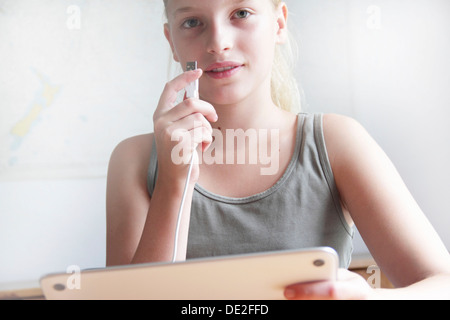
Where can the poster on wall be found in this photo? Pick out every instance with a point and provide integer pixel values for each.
(73, 83)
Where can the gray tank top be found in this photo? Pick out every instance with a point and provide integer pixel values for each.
(302, 210)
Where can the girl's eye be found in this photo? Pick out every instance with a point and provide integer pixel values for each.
(242, 14)
(191, 23)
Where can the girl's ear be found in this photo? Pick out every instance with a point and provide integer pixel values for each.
(169, 39)
(282, 17)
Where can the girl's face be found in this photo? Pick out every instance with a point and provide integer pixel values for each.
(232, 40)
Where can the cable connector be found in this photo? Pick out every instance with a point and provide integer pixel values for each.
(192, 88)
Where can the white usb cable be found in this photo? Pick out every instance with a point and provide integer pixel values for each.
(191, 92)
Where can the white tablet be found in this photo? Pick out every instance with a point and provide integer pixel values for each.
(262, 276)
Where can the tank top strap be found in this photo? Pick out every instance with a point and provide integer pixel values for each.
(152, 173)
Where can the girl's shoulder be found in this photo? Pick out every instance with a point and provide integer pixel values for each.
(129, 148)
(131, 157)
(340, 124)
(344, 134)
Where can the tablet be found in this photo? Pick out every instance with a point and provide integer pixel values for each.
(261, 276)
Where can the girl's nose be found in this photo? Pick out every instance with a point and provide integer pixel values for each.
(219, 40)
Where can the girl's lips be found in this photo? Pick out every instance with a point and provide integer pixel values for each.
(223, 70)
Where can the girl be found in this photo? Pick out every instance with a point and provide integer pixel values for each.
(329, 175)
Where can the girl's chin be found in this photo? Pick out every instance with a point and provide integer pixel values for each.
(222, 100)
(222, 96)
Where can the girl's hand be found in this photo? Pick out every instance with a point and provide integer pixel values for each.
(349, 286)
(181, 127)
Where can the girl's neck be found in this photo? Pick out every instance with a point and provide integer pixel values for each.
(255, 112)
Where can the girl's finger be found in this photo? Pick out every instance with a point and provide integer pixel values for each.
(349, 286)
(170, 92)
(192, 106)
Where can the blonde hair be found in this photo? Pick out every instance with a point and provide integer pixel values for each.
(284, 88)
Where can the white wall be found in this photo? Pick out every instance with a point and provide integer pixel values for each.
(47, 226)
(386, 66)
